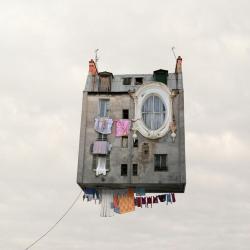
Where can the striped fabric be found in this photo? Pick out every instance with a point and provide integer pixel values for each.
(100, 147)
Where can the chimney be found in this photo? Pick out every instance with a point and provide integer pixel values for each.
(92, 68)
(178, 67)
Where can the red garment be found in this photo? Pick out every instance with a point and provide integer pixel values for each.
(138, 201)
(173, 197)
(149, 201)
(155, 199)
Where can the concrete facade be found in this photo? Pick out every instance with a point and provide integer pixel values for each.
(122, 97)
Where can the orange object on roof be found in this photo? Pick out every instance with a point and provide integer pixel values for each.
(92, 68)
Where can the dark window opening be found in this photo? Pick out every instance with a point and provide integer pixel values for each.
(127, 81)
(138, 80)
(160, 162)
(124, 170)
(135, 169)
(125, 114)
(102, 137)
(124, 141)
(135, 143)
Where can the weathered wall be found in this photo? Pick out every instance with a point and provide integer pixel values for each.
(172, 180)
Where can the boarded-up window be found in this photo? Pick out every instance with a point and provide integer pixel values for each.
(105, 84)
(135, 169)
(145, 149)
(124, 141)
(160, 162)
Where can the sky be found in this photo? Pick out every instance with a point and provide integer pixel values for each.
(45, 47)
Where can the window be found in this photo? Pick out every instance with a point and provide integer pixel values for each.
(124, 141)
(160, 162)
(135, 143)
(125, 114)
(124, 170)
(138, 80)
(127, 81)
(102, 137)
(135, 169)
(153, 112)
(95, 161)
(103, 107)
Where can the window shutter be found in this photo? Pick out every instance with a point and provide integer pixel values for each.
(108, 162)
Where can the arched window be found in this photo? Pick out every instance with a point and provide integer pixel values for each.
(153, 112)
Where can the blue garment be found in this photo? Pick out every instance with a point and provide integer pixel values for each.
(140, 191)
(169, 198)
(90, 194)
(89, 191)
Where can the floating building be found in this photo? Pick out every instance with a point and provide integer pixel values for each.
(132, 131)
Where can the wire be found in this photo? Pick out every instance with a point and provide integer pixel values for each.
(51, 228)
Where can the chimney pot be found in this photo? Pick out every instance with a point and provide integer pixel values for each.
(178, 67)
(92, 68)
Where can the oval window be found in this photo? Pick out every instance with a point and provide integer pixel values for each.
(153, 112)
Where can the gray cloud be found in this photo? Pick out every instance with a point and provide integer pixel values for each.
(45, 47)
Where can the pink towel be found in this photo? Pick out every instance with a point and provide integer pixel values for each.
(122, 127)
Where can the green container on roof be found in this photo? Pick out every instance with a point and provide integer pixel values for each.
(161, 75)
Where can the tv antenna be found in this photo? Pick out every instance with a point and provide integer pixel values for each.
(96, 57)
(173, 48)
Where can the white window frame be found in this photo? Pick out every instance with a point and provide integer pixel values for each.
(106, 107)
(153, 108)
(140, 96)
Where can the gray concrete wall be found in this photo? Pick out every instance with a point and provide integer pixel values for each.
(174, 82)
(172, 180)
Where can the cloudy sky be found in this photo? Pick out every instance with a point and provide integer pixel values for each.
(45, 47)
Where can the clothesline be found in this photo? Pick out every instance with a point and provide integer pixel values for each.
(122, 201)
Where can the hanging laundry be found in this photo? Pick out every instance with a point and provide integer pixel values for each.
(106, 203)
(126, 202)
(103, 125)
(122, 127)
(89, 194)
(100, 147)
(149, 201)
(140, 191)
(155, 199)
(143, 201)
(116, 203)
(101, 166)
(169, 198)
(173, 197)
(138, 202)
(162, 197)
